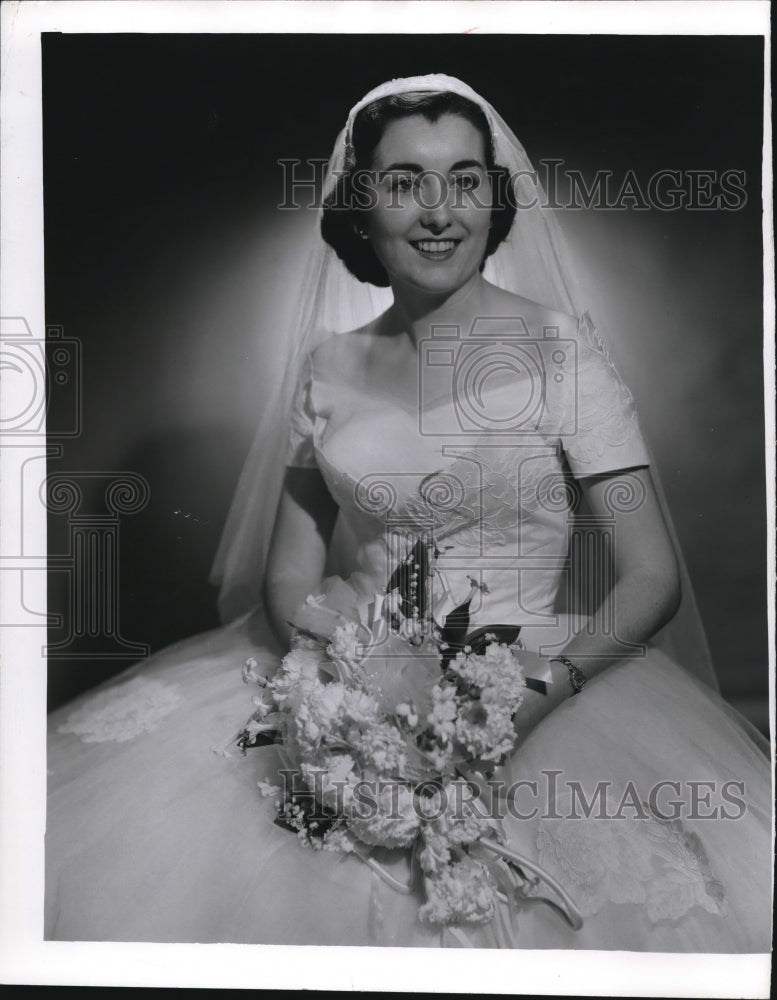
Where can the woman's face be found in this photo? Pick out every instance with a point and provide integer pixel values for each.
(429, 226)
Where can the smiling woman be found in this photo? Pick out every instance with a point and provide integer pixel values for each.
(507, 573)
(415, 222)
(432, 157)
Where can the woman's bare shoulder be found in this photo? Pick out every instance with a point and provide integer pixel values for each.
(536, 316)
(345, 348)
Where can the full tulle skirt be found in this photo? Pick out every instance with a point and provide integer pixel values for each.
(153, 836)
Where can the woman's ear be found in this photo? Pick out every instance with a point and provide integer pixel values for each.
(360, 230)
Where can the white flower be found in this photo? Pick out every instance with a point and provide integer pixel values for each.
(440, 757)
(434, 855)
(487, 734)
(299, 668)
(250, 672)
(254, 726)
(385, 816)
(261, 706)
(360, 707)
(266, 788)
(339, 840)
(449, 818)
(316, 712)
(333, 782)
(485, 725)
(327, 701)
(442, 718)
(408, 713)
(382, 747)
(460, 892)
(345, 650)
(306, 731)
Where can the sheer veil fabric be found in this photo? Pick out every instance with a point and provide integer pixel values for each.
(534, 262)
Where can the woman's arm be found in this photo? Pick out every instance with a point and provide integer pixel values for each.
(644, 597)
(295, 562)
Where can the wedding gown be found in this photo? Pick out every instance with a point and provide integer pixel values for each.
(151, 836)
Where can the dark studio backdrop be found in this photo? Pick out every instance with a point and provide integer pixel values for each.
(170, 265)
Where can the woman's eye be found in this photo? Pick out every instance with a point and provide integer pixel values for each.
(467, 182)
(401, 182)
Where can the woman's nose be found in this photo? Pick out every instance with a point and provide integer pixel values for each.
(434, 199)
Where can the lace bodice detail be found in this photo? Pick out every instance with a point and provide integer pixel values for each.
(484, 456)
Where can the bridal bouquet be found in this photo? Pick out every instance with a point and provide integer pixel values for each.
(378, 712)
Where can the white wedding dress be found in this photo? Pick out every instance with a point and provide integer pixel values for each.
(153, 837)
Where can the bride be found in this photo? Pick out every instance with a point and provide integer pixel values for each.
(443, 378)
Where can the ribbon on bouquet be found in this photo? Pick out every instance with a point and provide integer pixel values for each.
(492, 853)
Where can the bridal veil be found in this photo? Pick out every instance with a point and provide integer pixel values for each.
(534, 262)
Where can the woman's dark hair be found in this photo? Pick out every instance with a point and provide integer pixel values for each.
(341, 215)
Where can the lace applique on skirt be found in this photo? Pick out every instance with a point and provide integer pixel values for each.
(651, 861)
(122, 712)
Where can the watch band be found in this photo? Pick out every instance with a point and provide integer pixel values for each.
(577, 678)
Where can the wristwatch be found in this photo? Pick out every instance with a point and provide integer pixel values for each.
(576, 676)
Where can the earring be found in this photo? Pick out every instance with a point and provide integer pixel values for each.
(362, 234)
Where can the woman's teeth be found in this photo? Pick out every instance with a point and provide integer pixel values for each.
(434, 246)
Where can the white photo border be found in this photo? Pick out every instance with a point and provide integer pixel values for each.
(24, 956)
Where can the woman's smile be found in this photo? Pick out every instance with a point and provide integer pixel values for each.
(436, 249)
